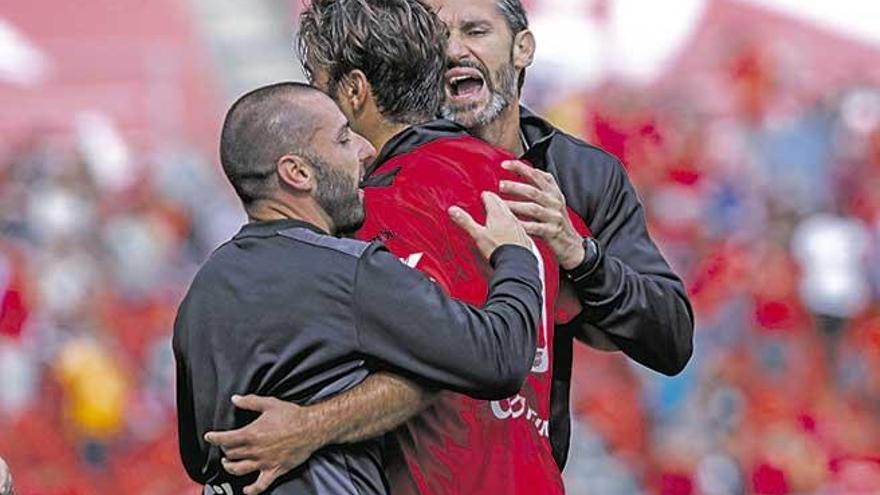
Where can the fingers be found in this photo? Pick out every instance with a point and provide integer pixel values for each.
(236, 438)
(239, 453)
(539, 229)
(495, 206)
(533, 211)
(264, 481)
(253, 402)
(532, 193)
(464, 220)
(227, 439)
(539, 178)
(239, 468)
(541, 187)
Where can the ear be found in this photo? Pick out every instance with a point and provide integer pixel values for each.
(523, 49)
(354, 90)
(296, 172)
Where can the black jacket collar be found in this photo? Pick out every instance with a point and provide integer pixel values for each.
(534, 128)
(538, 135)
(271, 227)
(414, 136)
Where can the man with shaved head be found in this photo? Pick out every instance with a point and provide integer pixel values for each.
(287, 310)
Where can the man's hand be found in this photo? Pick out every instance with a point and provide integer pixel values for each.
(501, 227)
(545, 209)
(279, 440)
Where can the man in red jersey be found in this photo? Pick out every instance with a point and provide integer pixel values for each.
(380, 62)
(383, 63)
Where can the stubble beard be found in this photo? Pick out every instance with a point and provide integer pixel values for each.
(337, 194)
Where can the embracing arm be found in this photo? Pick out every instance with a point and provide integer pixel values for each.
(381, 403)
(407, 322)
(632, 299)
(285, 435)
(630, 292)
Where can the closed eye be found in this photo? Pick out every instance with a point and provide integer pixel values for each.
(476, 28)
(344, 134)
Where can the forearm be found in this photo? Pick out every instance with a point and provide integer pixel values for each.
(378, 405)
(647, 317)
(485, 353)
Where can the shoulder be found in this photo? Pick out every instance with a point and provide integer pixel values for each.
(450, 150)
(284, 259)
(467, 146)
(570, 152)
(452, 167)
(589, 177)
(353, 248)
(565, 150)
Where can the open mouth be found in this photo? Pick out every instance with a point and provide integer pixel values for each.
(463, 83)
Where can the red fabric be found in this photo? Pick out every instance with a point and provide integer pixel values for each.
(461, 445)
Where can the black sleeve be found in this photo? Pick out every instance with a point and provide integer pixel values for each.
(186, 429)
(408, 322)
(633, 295)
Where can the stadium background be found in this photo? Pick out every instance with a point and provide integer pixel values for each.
(750, 128)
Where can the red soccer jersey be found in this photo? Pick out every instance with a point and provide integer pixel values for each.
(461, 445)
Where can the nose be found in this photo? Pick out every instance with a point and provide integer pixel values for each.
(367, 152)
(456, 49)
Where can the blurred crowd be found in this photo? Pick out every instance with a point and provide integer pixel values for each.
(765, 197)
(91, 272)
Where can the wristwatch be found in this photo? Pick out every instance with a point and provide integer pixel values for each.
(590, 263)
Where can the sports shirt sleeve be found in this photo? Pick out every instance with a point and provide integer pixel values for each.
(407, 321)
(633, 294)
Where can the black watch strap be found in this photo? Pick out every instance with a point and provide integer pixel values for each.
(590, 263)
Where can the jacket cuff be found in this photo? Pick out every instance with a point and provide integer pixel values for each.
(591, 261)
(599, 282)
(511, 253)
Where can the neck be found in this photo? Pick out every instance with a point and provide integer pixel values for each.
(308, 212)
(380, 132)
(504, 131)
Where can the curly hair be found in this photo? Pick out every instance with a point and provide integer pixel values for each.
(399, 45)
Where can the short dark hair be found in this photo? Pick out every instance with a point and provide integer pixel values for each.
(515, 15)
(400, 45)
(260, 127)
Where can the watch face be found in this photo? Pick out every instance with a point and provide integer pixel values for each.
(591, 255)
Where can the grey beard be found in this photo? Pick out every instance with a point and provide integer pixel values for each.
(497, 104)
(499, 100)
